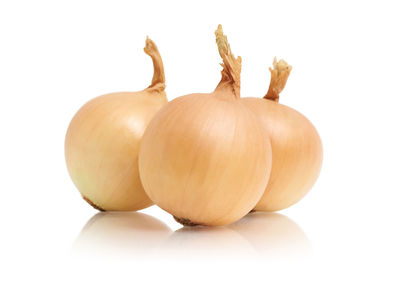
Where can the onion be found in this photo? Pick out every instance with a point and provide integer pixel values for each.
(102, 143)
(209, 152)
(296, 145)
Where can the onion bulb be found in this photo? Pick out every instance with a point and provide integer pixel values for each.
(204, 158)
(102, 143)
(296, 145)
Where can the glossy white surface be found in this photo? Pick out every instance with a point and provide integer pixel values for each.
(55, 56)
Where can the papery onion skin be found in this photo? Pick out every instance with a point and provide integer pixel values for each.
(296, 147)
(208, 151)
(103, 139)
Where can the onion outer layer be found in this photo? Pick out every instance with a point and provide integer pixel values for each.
(102, 143)
(296, 145)
(208, 151)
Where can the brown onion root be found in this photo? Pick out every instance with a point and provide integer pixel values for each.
(279, 76)
(93, 204)
(184, 221)
(231, 66)
(158, 81)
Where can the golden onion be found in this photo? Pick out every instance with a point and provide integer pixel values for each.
(102, 143)
(296, 145)
(204, 158)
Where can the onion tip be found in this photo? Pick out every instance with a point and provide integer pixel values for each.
(280, 72)
(231, 66)
(158, 81)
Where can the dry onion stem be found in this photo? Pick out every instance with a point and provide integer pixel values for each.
(279, 75)
(102, 143)
(296, 145)
(208, 151)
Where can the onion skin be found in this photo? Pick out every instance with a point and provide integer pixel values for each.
(209, 153)
(210, 170)
(296, 148)
(103, 139)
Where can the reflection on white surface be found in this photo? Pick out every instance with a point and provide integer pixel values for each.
(273, 235)
(257, 235)
(200, 241)
(121, 234)
(132, 234)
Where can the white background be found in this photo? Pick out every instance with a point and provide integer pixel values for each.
(56, 55)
